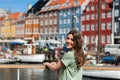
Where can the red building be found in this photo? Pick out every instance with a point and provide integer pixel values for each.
(91, 32)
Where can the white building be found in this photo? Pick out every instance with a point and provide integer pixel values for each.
(3, 12)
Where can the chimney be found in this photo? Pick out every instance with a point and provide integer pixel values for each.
(29, 6)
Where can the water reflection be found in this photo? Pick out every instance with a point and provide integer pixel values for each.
(8, 74)
(31, 74)
(36, 74)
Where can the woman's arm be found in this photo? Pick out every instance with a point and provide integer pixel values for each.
(54, 65)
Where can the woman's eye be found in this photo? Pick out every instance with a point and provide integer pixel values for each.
(71, 39)
(67, 38)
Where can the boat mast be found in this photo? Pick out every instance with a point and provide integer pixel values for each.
(99, 31)
(73, 15)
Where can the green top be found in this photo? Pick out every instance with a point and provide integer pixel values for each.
(70, 71)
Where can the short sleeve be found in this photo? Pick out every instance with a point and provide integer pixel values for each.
(68, 58)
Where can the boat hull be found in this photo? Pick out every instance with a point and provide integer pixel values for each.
(102, 74)
(7, 61)
(37, 58)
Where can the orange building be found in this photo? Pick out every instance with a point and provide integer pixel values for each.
(32, 27)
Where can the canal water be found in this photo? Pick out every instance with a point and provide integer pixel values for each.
(31, 74)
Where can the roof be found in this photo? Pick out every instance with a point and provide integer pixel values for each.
(54, 2)
(2, 18)
(14, 15)
(53, 5)
(72, 3)
(37, 7)
(109, 1)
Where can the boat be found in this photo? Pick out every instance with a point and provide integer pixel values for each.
(105, 74)
(30, 58)
(104, 71)
(7, 61)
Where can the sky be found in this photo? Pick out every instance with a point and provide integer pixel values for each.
(16, 5)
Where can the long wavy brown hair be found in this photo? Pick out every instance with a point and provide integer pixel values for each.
(79, 54)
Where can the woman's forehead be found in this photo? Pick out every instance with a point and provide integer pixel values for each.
(70, 36)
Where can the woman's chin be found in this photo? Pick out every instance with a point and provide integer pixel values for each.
(68, 47)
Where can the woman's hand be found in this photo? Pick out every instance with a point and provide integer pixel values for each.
(54, 65)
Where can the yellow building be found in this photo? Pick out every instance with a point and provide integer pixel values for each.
(9, 29)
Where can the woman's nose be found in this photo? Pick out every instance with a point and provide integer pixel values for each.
(68, 40)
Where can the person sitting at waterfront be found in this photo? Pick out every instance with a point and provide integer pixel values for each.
(70, 65)
(4, 48)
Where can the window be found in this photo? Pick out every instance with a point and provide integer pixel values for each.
(65, 15)
(68, 21)
(55, 30)
(87, 17)
(77, 20)
(60, 21)
(55, 21)
(50, 30)
(116, 2)
(87, 27)
(64, 30)
(41, 16)
(88, 8)
(50, 22)
(68, 12)
(92, 8)
(109, 25)
(88, 39)
(41, 23)
(116, 13)
(55, 13)
(103, 39)
(46, 22)
(41, 30)
(60, 30)
(50, 14)
(103, 15)
(78, 10)
(83, 27)
(46, 15)
(68, 30)
(108, 39)
(92, 27)
(64, 21)
(109, 14)
(83, 18)
(92, 16)
(92, 39)
(61, 13)
(103, 26)
(103, 6)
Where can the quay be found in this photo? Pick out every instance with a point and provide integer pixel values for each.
(113, 68)
(41, 66)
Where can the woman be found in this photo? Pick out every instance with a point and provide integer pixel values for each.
(70, 65)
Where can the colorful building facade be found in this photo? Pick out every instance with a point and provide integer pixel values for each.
(91, 32)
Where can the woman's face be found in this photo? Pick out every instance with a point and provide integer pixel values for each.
(69, 41)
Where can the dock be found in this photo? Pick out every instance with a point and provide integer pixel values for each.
(41, 66)
(113, 68)
(37, 66)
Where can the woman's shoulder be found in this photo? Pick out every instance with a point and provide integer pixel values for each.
(72, 51)
(69, 53)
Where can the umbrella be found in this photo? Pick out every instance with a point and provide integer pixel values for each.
(18, 42)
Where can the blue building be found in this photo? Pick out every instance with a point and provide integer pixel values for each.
(69, 18)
